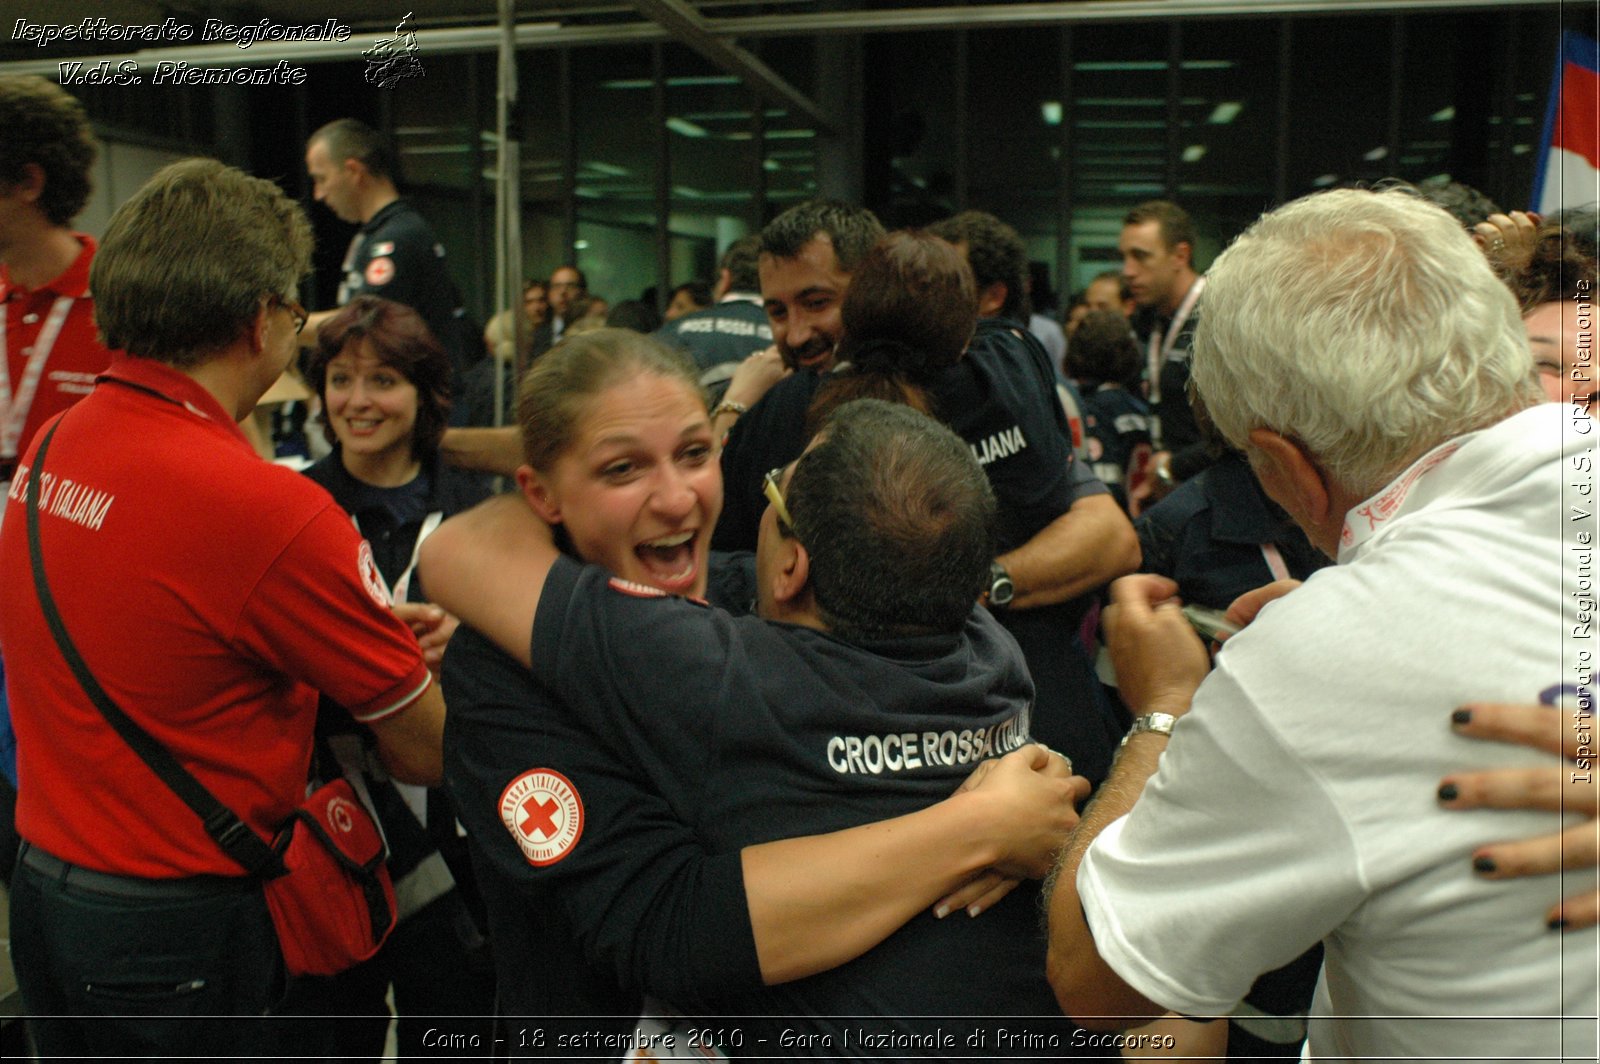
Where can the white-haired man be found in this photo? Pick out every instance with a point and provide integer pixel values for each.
(1361, 352)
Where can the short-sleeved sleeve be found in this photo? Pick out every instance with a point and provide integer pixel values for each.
(1233, 862)
(642, 897)
(319, 615)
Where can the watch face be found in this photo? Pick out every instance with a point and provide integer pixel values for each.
(1001, 589)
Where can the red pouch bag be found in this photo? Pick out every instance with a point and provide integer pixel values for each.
(335, 905)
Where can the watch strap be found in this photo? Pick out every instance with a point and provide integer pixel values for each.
(1159, 723)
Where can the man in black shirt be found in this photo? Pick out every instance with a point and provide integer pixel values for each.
(394, 254)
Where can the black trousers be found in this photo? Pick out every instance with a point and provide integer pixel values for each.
(113, 966)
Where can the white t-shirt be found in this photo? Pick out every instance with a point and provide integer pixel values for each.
(1296, 799)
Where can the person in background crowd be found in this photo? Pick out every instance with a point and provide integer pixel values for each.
(688, 298)
(566, 286)
(721, 336)
(49, 351)
(384, 383)
(1103, 358)
(807, 255)
(633, 314)
(1157, 245)
(536, 303)
(477, 404)
(394, 254)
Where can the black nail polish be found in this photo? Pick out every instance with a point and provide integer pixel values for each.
(1557, 923)
(1483, 864)
(1461, 717)
(1448, 793)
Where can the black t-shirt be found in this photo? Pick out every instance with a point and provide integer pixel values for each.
(682, 726)
(395, 255)
(1119, 436)
(1001, 399)
(726, 333)
(1180, 433)
(770, 434)
(1208, 536)
(391, 519)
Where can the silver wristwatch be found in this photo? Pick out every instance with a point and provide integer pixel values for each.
(1160, 723)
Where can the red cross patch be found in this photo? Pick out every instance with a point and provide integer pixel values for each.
(371, 579)
(542, 811)
(380, 271)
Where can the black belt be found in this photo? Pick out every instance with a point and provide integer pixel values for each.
(133, 888)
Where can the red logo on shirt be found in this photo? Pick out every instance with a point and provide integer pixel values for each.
(380, 271)
(542, 811)
(371, 579)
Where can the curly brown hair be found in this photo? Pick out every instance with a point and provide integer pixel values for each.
(46, 126)
(1563, 266)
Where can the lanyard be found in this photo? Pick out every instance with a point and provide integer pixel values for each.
(1274, 559)
(1161, 344)
(14, 410)
(397, 593)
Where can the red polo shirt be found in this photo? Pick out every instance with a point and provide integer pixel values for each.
(74, 357)
(212, 594)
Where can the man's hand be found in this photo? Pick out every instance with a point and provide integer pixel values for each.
(1159, 660)
(1243, 610)
(433, 628)
(1568, 788)
(1034, 798)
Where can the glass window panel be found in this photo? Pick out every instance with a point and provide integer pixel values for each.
(538, 100)
(1118, 143)
(1014, 118)
(1338, 102)
(1227, 113)
(614, 128)
(618, 260)
(711, 153)
(789, 161)
(1515, 137)
(436, 133)
(910, 127)
(1432, 109)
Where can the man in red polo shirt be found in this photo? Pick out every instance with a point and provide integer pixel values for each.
(213, 596)
(47, 333)
(49, 351)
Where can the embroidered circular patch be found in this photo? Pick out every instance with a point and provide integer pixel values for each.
(544, 814)
(371, 579)
(380, 271)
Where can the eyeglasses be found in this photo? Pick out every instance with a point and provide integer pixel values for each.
(296, 311)
(775, 497)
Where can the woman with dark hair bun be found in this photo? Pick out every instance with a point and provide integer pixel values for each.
(908, 315)
(384, 382)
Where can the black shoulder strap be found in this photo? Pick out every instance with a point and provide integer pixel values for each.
(221, 823)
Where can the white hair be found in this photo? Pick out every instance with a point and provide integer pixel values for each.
(1366, 325)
